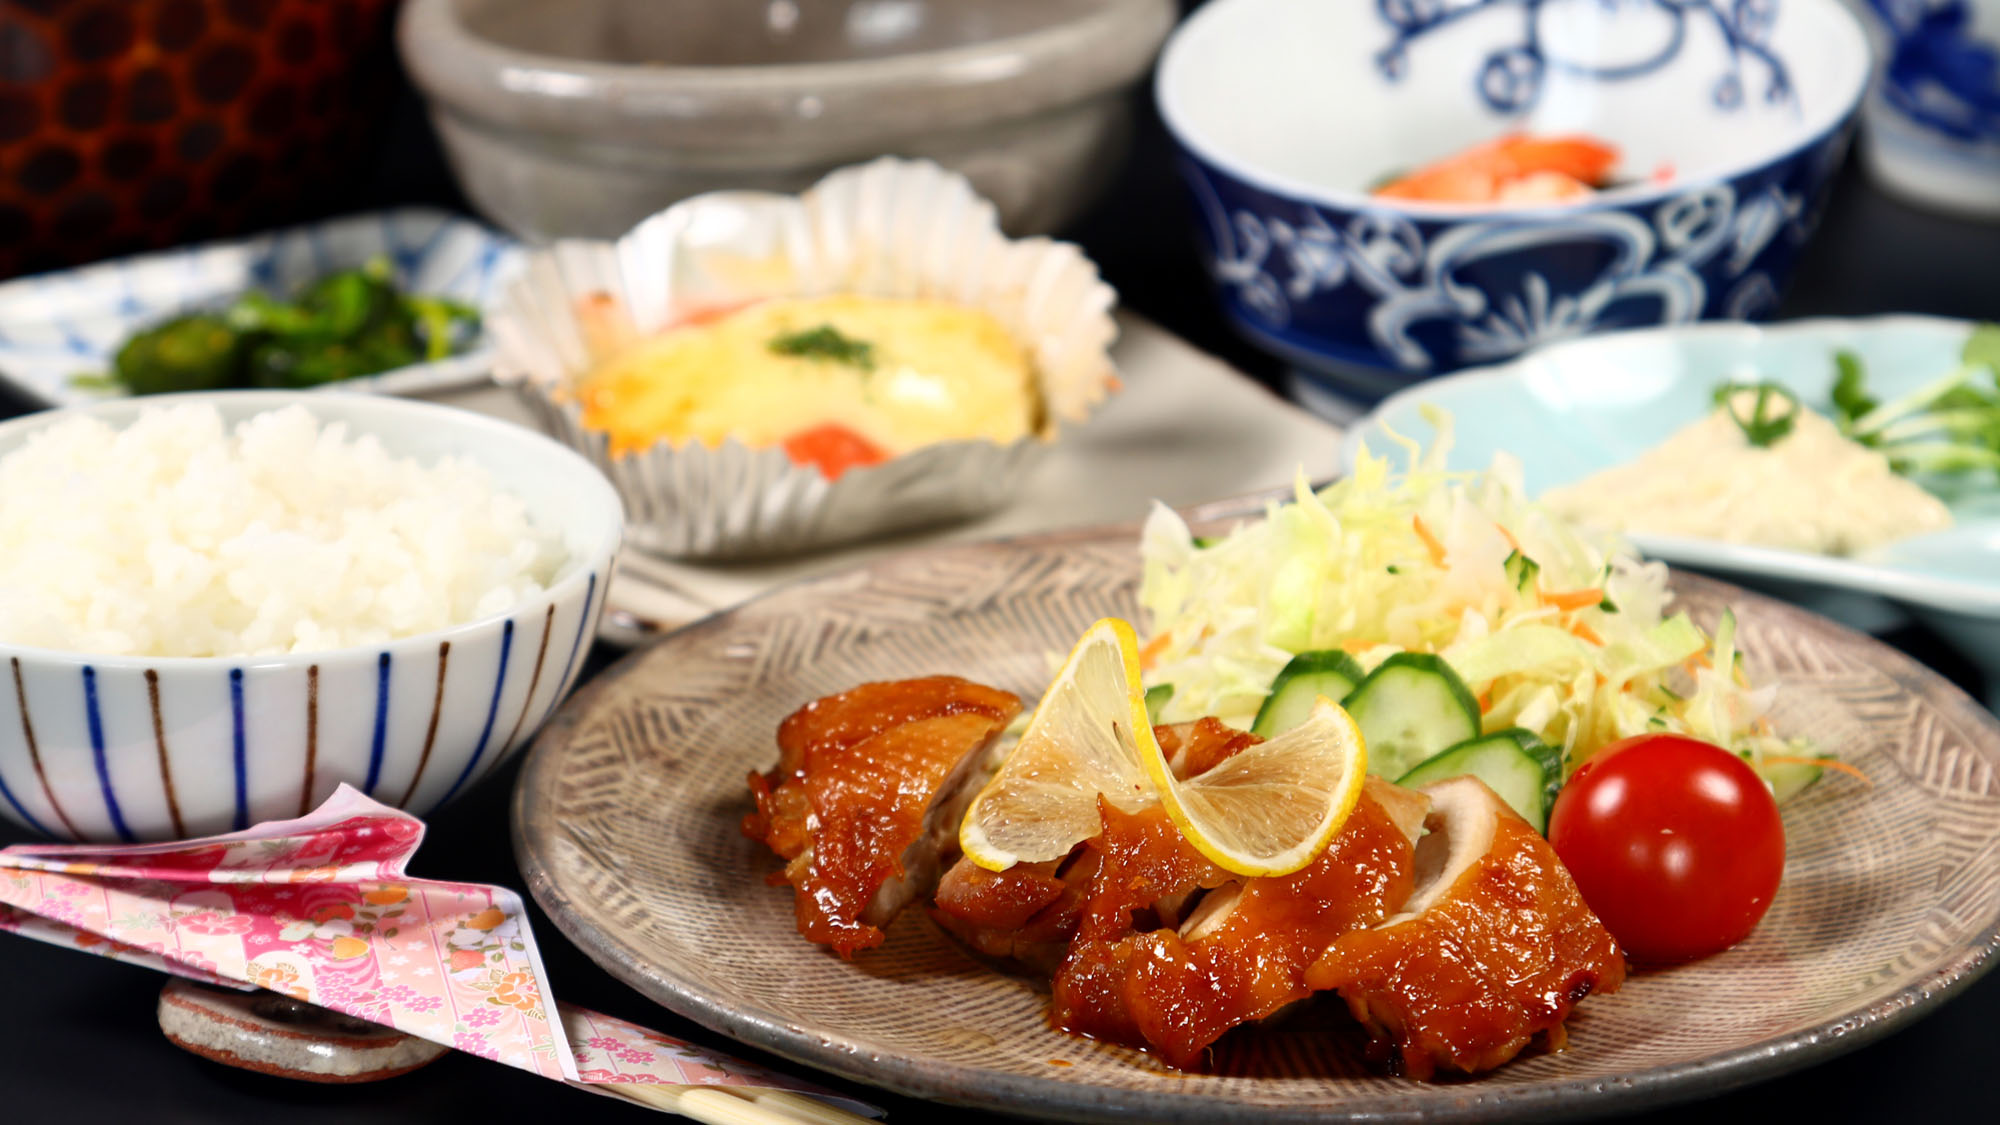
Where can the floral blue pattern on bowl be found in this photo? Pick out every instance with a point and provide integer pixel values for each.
(1286, 113)
(1511, 76)
(56, 326)
(1940, 72)
(1933, 117)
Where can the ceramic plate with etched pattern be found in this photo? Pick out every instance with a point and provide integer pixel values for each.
(626, 827)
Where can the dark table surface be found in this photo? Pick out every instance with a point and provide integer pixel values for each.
(78, 1041)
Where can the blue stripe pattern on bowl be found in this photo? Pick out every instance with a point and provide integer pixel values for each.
(252, 763)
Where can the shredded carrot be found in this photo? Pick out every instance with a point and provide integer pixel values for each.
(1356, 644)
(1567, 600)
(1508, 536)
(1823, 763)
(1698, 660)
(1485, 702)
(1431, 543)
(1586, 633)
(1153, 648)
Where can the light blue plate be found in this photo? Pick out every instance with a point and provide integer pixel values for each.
(54, 326)
(1573, 408)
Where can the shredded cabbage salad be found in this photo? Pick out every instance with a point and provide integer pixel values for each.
(1554, 628)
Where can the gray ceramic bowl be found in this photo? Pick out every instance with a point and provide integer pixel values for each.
(581, 118)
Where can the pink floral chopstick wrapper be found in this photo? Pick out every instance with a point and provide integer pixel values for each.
(319, 908)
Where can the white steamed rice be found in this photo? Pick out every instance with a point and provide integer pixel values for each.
(179, 536)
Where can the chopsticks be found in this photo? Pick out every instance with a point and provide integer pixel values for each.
(732, 1105)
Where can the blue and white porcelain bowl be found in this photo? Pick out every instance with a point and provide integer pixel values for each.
(1286, 112)
(123, 748)
(1932, 120)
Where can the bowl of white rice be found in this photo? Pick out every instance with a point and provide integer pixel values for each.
(215, 609)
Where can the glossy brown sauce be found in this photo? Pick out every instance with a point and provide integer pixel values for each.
(857, 774)
(1175, 993)
(1150, 944)
(1502, 958)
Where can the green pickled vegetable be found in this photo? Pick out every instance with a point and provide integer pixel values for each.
(198, 352)
(344, 325)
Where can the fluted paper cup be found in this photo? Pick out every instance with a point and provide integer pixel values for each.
(891, 228)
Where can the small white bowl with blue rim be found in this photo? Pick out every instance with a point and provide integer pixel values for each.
(129, 748)
(57, 326)
(1575, 408)
(1285, 113)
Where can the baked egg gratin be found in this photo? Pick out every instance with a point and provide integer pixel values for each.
(837, 382)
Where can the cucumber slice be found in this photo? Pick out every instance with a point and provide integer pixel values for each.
(1521, 571)
(1789, 779)
(1327, 672)
(1156, 701)
(1525, 771)
(1409, 708)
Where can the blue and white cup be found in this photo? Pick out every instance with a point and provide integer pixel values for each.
(1931, 123)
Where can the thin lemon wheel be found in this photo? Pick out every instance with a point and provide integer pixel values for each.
(1266, 811)
(1273, 808)
(1088, 736)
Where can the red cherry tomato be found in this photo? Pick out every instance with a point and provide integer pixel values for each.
(833, 448)
(1675, 843)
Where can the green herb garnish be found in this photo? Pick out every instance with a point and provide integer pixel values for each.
(1848, 397)
(1768, 418)
(828, 343)
(1982, 348)
(1949, 425)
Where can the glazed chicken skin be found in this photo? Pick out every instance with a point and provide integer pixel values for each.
(1027, 914)
(1030, 912)
(1169, 950)
(865, 800)
(1442, 920)
(1239, 955)
(1495, 948)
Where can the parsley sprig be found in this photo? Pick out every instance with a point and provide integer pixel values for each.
(825, 342)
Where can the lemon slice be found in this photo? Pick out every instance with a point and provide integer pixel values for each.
(1272, 808)
(1087, 737)
(1267, 811)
